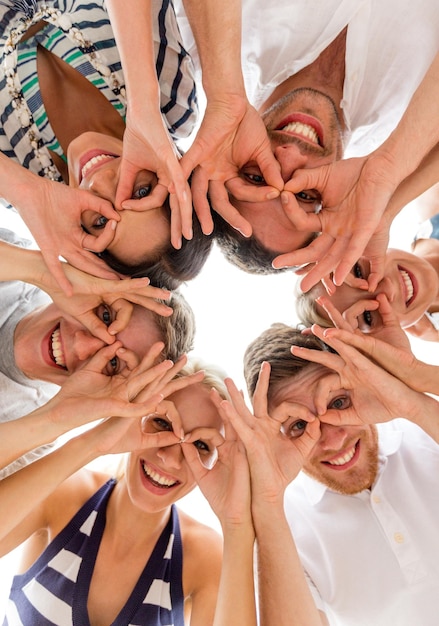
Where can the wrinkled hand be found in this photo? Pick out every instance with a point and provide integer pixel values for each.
(89, 292)
(275, 459)
(231, 135)
(353, 221)
(149, 146)
(53, 215)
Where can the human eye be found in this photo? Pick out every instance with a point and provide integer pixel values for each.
(356, 270)
(142, 191)
(253, 176)
(202, 446)
(100, 222)
(310, 196)
(340, 404)
(367, 318)
(113, 367)
(361, 269)
(155, 423)
(161, 424)
(294, 429)
(105, 313)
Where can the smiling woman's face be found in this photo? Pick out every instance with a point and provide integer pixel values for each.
(94, 162)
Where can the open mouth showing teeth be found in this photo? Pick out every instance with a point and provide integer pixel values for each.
(408, 285)
(156, 479)
(55, 349)
(342, 460)
(303, 130)
(100, 158)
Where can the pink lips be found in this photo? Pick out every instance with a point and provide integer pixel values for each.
(414, 284)
(151, 485)
(87, 156)
(47, 353)
(347, 465)
(302, 118)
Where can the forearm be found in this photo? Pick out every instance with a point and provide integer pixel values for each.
(425, 414)
(284, 596)
(26, 489)
(217, 32)
(17, 263)
(425, 176)
(417, 132)
(42, 426)
(236, 595)
(132, 25)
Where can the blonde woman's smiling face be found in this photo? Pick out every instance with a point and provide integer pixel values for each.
(94, 162)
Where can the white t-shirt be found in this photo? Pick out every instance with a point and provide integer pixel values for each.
(390, 45)
(19, 395)
(372, 559)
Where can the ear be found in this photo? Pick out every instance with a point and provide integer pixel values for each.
(423, 329)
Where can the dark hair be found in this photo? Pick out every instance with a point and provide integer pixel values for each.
(274, 345)
(246, 253)
(169, 266)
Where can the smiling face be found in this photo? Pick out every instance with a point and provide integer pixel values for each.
(94, 163)
(49, 345)
(157, 477)
(345, 458)
(410, 283)
(305, 132)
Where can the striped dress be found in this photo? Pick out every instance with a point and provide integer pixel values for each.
(79, 32)
(55, 588)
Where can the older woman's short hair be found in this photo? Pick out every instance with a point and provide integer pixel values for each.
(177, 330)
(213, 375)
(306, 308)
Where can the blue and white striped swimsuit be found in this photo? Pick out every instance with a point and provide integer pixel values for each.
(55, 588)
(80, 33)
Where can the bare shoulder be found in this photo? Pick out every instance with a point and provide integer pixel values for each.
(202, 557)
(202, 550)
(196, 535)
(70, 496)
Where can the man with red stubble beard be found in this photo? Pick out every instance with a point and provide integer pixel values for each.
(355, 541)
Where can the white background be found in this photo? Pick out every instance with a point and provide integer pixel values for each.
(231, 309)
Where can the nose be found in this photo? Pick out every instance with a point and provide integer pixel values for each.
(85, 345)
(104, 183)
(332, 437)
(387, 287)
(290, 159)
(171, 456)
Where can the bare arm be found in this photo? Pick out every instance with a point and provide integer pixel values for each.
(232, 132)
(227, 488)
(275, 460)
(147, 143)
(86, 396)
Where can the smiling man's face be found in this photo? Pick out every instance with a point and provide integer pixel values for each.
(305, 132)
(50, 345)
(345, 458)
